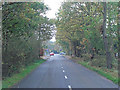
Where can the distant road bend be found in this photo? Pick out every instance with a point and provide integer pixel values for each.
(59, 72)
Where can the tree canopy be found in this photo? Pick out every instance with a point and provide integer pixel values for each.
(82, 29)
(25, 27)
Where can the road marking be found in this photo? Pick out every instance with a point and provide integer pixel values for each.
(61, 67)
(70, 88)
(65, 77)
(63, 70)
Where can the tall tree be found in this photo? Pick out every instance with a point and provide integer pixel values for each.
(108, 54)
(88, 28)
(21, 23)
(119, 40)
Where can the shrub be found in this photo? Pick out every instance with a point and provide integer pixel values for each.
(86, 57)
(101, 62)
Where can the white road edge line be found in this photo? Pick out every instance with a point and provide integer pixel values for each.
(70, 88)
(63, 70)
(65, 77)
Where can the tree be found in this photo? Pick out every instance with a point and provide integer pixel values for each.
(119, 39)
(88, 28)
(21, 24)
(108, 54)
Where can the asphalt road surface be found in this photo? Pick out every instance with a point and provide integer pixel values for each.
(59, 72)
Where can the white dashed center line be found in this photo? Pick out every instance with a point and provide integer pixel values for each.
(70, 88)
(65, 77)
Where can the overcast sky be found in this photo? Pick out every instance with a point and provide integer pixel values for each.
(54, 6)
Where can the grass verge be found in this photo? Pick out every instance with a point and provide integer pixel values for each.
(10, 81)
(99, 71)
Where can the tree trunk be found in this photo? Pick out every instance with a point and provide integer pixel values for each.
(70, 46)
(110, 38)
(119, 39)
(39, 44)
(92, 53)
(108, 54)
(78, 53)
(119, 31)
(74, 48)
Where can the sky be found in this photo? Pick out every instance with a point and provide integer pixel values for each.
(54, 6)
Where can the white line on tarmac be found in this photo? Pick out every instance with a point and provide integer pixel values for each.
(63, 70)
(70, 88)
(65, 77)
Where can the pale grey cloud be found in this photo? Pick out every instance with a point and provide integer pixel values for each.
(54, 6)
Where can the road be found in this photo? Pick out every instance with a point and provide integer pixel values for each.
(59, 72)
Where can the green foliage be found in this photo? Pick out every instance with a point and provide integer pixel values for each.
(24, 29)
(99, 62)
(80, 29)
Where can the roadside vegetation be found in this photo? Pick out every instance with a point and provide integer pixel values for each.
(24, 29)
(89, 31)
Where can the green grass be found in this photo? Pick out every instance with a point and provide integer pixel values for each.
(10, 81)
(99, 71)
